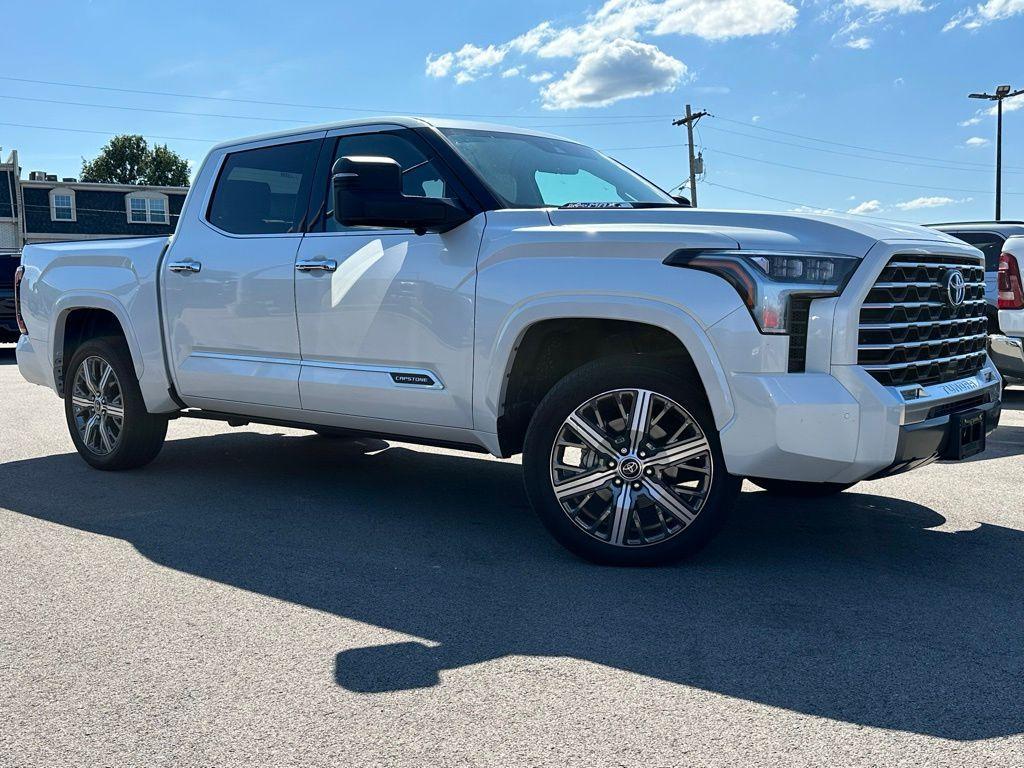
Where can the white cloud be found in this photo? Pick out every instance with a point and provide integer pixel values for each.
(1009, 105)
(868, 206)
(969, 121)
(976, 141)
(470, 62)
(618, 23)
(511, 72)
(755, 119)
(441, 65)
(721, 19)
(541, 77)
(858, 14)
(985, 13)
(899, 82)
(929, 202)
(623, 69)
(887, 6)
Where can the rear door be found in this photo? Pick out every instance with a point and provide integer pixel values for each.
(229, 277)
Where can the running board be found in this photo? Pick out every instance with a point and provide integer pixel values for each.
(234, 420)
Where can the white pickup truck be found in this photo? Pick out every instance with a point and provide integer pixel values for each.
(505, 291)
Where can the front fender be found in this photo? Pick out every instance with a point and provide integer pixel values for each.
(496, 364)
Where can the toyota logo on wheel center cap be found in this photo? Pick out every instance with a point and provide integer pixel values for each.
(956, 287)
(630, 469)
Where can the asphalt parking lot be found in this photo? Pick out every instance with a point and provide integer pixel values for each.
(260, 596)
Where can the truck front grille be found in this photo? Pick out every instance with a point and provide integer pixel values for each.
(911, 333)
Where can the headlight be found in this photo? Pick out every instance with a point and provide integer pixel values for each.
(766, 281)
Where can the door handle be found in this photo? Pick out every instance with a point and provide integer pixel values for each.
(320, 265)
(187, 267)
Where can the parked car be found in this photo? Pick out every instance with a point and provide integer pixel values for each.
(9, 330)
(1007, 347)
(990, 238)
(506, 291)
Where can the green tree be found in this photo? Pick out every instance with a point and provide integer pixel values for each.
(128, 159)
(167, 168)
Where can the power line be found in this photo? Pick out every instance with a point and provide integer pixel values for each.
(295, 105)
(145, 109)
(987, 169)
(842, 144)
(856, 178)
(184, 113)
(616, 119)
(793, 202)
(105, 133)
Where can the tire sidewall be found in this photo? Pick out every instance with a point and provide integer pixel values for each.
(576, 389)
(136, 437)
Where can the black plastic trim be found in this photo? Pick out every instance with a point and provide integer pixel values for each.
(237, 420)
(926, 441)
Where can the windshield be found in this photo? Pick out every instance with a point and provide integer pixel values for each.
(537, 172)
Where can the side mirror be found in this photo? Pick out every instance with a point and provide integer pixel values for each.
(683, 201)
(368, 193)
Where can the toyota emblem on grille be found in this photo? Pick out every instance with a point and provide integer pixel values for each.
(956, 287)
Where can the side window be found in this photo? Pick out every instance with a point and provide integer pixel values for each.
(988, 243)
(420, 177)
(263, 191)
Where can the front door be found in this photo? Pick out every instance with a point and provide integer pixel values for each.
(386, 316)
(229, 279)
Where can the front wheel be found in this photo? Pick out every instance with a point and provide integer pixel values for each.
(800, 489)
(623, 464)
(106, 414)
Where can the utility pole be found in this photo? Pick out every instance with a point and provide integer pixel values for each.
(1002, 92)
(689, 121)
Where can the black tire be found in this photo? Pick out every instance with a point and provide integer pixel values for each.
(800, 490)
(142, 434)
(576, 389)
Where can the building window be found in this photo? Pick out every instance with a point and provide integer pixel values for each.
(146, 208)
(62, 205)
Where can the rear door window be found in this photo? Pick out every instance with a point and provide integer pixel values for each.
(264, 191)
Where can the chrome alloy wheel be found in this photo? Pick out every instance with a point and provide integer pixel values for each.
(98, 405)
(631, 467)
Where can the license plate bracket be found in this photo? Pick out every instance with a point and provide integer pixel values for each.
(967, 434)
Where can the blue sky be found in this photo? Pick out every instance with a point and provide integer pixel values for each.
(797, 89)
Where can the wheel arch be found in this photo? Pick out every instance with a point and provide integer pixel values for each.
(80, 318)
(544, 341)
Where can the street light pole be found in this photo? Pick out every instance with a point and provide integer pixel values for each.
(1002, 92)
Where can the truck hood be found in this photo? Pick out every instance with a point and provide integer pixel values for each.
(844, 235)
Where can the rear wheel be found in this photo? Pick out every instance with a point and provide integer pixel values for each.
(103, 404)
(623, 464)
(799, 489)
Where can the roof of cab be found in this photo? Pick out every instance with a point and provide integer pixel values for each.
(401, 121)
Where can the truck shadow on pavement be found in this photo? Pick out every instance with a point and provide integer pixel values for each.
(853, 609)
